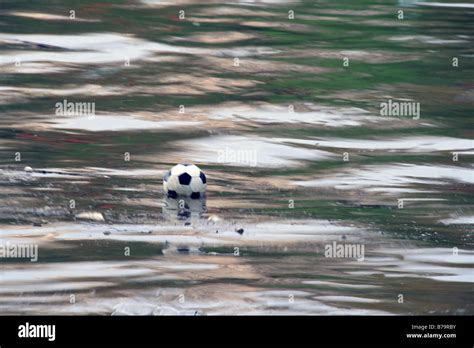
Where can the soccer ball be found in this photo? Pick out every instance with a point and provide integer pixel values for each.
(185, 180)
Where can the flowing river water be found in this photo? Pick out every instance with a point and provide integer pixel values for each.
(283, 115)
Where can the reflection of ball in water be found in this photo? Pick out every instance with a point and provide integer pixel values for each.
(183, 208)
(185, 180)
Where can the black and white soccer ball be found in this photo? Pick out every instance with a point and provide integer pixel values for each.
(185, 180)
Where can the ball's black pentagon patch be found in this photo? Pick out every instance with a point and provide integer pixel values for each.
(195, 195)
(203, 177)
(172, 194)
(167, 175)
(184, 179)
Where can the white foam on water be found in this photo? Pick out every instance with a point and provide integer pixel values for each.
(446, 5)
(187, 267)
(448, 274)
(175, 239)
(460, 220)
(347, 299)
(52, 286)
(195, 236)
(465, 277)
(37, 273)
(435, 255)
(396, 177)
(141, 307)
(424, 39)
(116, 123)
(91, 48)
(397, 190)
(79, 174)
(439, 264)
(88, 229)
(49, 16)
(136, 308)
(126, 173)
(247, 151)
(9, 92)
(324, 116)
(248, 303)
(340, 285)
(37, 173)
(221, 10)
(102, 48)
(304, 304)
(423, 199)
(408, 144)
(279, 231)
(32, 68)
(364, 273)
